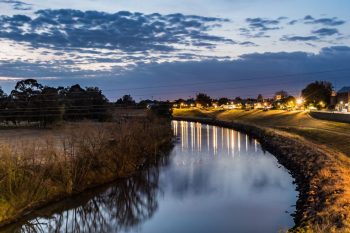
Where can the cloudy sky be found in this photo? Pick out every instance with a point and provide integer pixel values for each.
(165, 49)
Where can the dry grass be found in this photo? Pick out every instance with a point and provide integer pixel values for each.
(57, 163)
(322, 158)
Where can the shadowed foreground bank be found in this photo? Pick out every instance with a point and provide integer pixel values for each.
(37, 170)
(321, 173)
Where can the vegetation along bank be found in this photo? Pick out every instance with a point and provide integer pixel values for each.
(37, 170)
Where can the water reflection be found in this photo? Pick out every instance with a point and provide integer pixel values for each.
(119, 208)
(217, 139)
(215, 180)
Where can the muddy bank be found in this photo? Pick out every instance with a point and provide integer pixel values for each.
(322, 206)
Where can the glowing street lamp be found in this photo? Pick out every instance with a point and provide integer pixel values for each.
(300, 101)
(322, 104)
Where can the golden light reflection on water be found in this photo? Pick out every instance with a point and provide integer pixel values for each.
(201, 137)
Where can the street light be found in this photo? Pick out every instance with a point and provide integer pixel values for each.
(300, 101)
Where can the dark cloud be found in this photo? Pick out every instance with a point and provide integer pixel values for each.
(309, 17)
(17, 5)
(252, 34)
(248, 43)
(247, 76)
(326, 31)
(263, 24)
(258, 27)
(126, 31)
(299, 38)
(292, 22)
(324, 21)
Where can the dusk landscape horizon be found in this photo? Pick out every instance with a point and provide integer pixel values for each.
(187, 116)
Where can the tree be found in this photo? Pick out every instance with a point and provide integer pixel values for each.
(126, 100)
(98, 104)
(85, 104)
(2, 94)
(34, 103)
(76, 103)
(24, 106)
(3, 105)
(50, 106)
(203, 99)
(260, 98)
(238, 99)
(318, 94)
(223, 101)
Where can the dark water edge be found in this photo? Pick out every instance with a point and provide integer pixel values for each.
(129, 204)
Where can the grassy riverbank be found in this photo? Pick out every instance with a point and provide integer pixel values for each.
(315, 151)
(41, 166)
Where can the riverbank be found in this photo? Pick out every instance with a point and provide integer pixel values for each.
(321, 173)
(36, 170)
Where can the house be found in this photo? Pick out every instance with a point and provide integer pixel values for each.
(343, 99)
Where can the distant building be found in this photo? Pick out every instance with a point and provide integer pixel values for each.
(343, 99)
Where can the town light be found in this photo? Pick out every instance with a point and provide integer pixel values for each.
(300, 101)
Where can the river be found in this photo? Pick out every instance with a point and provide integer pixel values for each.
(215, 180)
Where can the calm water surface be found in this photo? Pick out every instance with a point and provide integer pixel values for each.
(215, 180)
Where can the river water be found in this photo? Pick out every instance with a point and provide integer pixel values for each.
(215, 180)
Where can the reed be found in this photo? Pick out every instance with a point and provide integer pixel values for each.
(38, 170)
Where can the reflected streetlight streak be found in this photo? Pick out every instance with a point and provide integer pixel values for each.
(175, 128)
(228, 141)
(239, 142)
(199, 136)
(256, 145)
(215, 139)
(208, 136)
(233, 143)
(246, 142)
(222, 138)
(192, 135)
(186, 134)
(182, 135)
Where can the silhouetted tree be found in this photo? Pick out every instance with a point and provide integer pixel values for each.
(24, 106)
(99, 104)
(203, 99)
(50, 106)
(85, 104)
(260, 98)
(317, 92)
(126, 100)
(32, 102)
(223, 101)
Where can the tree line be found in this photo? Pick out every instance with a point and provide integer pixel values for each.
(31, 102)
(316, 94)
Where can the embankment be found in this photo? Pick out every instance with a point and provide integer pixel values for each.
(323, 205)
(332, 116)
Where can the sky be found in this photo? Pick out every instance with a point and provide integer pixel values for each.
(165, 49)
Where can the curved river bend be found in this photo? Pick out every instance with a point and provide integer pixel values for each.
(215, 180)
